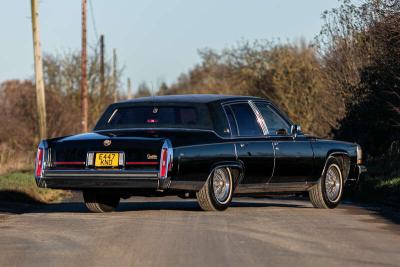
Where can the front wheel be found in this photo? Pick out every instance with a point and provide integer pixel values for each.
(100, 202)
(326, 194)
(216, 194)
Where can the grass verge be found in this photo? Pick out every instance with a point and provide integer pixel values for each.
(379, 189)
(21, 187)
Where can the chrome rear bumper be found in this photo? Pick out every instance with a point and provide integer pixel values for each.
(78, 179)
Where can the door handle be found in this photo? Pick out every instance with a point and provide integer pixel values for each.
(275, 145)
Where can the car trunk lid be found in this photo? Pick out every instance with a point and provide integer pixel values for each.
(138, 152)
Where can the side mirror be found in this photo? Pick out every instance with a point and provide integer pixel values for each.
(295, 130)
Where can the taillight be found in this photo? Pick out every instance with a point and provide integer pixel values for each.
(39, 162)
(166, 159)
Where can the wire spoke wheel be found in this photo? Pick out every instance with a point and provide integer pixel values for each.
(221, 185)
(333, 183)
(216, 194)
(328, 190)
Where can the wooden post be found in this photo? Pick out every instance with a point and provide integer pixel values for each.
(102, 80)
(84, 90)
(129, 91)
(40, 96)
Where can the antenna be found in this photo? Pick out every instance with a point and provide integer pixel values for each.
(152, 88)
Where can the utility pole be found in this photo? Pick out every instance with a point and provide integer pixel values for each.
(129, 88)
(84, 90)
(40, 97)
(114, 75)
(102, 85)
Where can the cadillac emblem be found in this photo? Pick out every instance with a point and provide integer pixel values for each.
(107, 142)
(151, 156)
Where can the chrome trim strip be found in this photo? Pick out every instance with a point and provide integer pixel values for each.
(112, 115)
(260, 119)
(236, 153)
(273, 169)
(273, 187)
(94, 173)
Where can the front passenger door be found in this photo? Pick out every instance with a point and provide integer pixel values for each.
(294, 157)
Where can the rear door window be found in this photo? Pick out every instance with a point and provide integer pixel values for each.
(231, 120)
(245, 120)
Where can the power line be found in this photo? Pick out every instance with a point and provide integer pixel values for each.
(93, 20)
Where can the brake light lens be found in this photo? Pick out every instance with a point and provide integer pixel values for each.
(164, 159)
(39, 162)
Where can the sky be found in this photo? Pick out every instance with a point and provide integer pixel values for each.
(156, 40)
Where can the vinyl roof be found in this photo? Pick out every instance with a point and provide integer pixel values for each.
(190, 98)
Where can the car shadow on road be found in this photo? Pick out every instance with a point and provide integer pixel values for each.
(191, 205)
(178, 205)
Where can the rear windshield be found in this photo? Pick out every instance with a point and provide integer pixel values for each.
(194, 117)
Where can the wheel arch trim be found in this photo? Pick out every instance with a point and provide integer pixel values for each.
(334, 154)
(231, 165)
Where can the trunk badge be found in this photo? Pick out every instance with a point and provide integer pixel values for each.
(107, 142)
(150, 156)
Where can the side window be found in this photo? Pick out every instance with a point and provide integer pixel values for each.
(275, 123)
(231, 120)
(246, 120)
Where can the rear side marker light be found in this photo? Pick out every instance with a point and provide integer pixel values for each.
(359, 155)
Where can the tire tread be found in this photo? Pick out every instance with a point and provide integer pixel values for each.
(316, 197)
(93, 205)
(203, 198)
(316, 193)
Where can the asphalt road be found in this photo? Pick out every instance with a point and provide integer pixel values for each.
(174, 232)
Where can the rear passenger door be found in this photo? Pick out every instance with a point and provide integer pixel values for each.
(253, 149)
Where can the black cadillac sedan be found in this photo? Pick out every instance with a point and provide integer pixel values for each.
(211, 147)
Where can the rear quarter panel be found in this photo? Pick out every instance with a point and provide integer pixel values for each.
(195, 162)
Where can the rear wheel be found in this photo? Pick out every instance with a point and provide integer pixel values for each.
(100, 202)
(216, 194)
(326, 194)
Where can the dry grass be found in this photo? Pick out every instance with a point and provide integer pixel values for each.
(21, 186)
(12, 161)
